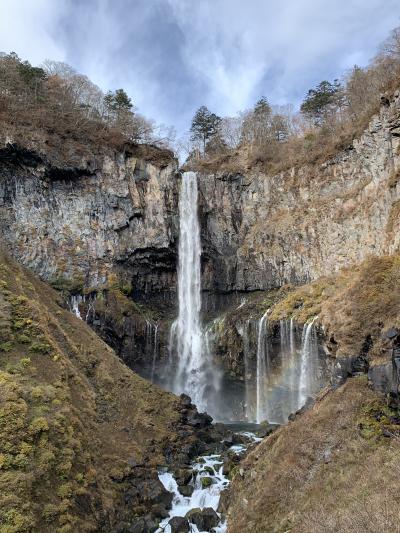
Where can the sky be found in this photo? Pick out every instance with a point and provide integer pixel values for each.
(172, 56)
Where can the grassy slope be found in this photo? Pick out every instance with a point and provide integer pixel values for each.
(71, 415)
(357, 303)
(332, 469)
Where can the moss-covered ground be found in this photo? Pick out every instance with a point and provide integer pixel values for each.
(73, 418)
(334, 468)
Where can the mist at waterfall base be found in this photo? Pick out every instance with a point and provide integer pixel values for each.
(283, 365)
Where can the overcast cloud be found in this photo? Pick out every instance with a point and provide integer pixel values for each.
(172, 56)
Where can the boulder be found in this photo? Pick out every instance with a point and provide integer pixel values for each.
(206, 482)
(204, 519)
(179, 524)
(199, 420)
(186, 490)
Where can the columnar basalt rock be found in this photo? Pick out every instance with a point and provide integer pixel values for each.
(118, 212)
(263, 231)
(115, 214)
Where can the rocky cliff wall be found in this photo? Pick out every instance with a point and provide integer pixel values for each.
(113, 214)
(118, 212)
(263, 231)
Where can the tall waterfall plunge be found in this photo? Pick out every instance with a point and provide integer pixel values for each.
(195, 374)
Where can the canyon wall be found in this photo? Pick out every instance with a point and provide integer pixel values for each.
(119, 212)
(109, 222)
(263, 231)
(113, 214)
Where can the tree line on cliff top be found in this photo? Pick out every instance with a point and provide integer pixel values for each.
(331, 115)
(56, 99)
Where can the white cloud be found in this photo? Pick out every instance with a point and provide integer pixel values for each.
(174, 55)
(26, 27)
(245, 49)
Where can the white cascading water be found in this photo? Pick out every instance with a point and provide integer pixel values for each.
(76, 300)
(308, 347)
(211, 466)
(262, 370)
(246, 354)
(285, 376)
(194, 374)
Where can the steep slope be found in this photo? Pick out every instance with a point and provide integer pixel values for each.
(80, 434)
(334, 468)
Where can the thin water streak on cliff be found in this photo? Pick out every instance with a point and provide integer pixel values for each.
(263, 368)
(247, 373)
(155, 352)
(308, 355)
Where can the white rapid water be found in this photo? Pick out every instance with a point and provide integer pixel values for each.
(194, 374)
(201, 497)
(262, 370)
(209, 466)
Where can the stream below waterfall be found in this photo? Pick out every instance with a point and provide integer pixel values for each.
(199, 512)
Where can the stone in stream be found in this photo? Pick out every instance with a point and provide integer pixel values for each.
(205, 519)
(186, 490)
(183, 475)
(206, 482)
(179, 524)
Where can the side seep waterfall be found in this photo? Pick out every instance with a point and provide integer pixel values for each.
(282, 368)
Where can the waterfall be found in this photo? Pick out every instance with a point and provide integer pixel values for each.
(308, 351)
(262, 369)
(194, 374)
(75, 302)
(292, 337)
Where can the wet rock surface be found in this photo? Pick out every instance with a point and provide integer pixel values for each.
(205, 519)
(179, 524)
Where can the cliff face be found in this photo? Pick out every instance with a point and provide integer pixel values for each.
(118, 212)
(113, 213)
(263, 231)
(110, 220)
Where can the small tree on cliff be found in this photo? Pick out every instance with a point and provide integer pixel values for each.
(322, 101)
(118, 101)
(204, 125)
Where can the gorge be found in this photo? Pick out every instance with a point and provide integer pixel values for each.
(201, 347)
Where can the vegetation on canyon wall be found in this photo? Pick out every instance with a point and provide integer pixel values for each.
(74, 421)
(334, 468)
(355, 306)
(60, 112)
(275, 138)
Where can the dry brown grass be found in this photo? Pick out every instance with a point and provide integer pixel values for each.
(312, 148)
(71, 415)
(355, 305)
(330, 470)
